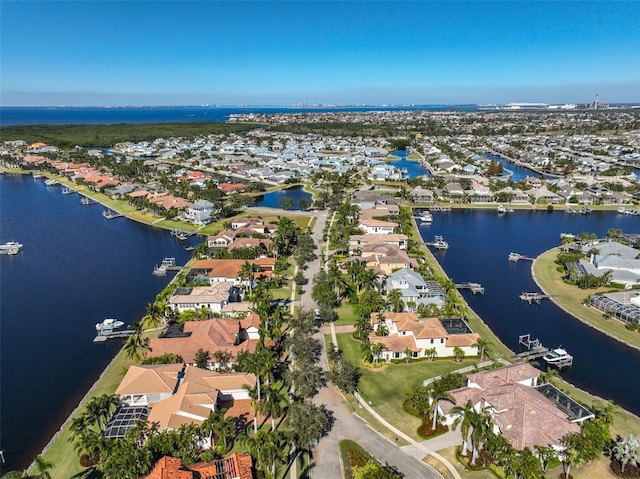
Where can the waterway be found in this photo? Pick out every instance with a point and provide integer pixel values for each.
(479, 244)
(76, 268)
(413, 168)
(519, 172)
(272, 200)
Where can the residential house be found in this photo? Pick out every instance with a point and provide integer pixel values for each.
(236, 466)
(213, 297)
(228, 270)
(414, 288)
(407, 331)
(357, 242)
(526, 414)
(377, 226)
(178, 394)
(211, 335)
(199, 212)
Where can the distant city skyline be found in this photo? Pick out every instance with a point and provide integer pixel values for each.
(136, 53)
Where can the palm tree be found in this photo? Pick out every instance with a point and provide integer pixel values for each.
(482, 345)
(208, 426)
(135, 346)
(376, 350)
(437, 393)
(273, 406)
(42, 467)
(107, 405)
(482, 427)
(154, 313)
(430, 353)
(464, 419)
(407, 354)
(394, 299)
(545, 453)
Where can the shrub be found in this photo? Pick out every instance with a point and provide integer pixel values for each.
(425, 430)
(630, 471)
(356, 458)
(86, 461)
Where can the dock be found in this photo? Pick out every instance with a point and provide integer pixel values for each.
(439, 208)
(535, 349)
(102, 337)
(168, 264)
(473, 287)
(85, 200)
(438, 243)
(533, 297)
(108, 214)
(519, 257)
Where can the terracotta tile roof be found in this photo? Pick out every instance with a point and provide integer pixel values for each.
(141, 379)
(211, 335)
(235, 466)
(505, 375)
(395, 343)
(378, 223)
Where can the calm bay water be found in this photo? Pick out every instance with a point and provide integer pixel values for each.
(272, 200)
(413, 168)
(66, 115)
(479, 244)
(76, 269)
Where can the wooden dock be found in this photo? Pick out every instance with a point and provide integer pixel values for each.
(102, 337)
(519, 257)
(535, 349)
(533, 297)
(473, 287)
(108, 214)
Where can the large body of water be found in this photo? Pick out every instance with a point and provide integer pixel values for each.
(66, 115)
(272, 200)
(76, 269)
(479, 244)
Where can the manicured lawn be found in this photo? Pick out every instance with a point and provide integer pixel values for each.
(387, 387)
(570, 298)
(346, 314)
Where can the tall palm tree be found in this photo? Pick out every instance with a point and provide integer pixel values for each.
(273, 404)
(482, 427)
(376, 350)
(394, 299)
(208, 426)
(408, 353)
(437, 393)
(155, 313)
(482, 345)
(464, 419)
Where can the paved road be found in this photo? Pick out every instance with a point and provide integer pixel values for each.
(326, 455)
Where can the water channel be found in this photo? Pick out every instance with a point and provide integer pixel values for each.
(479, 244)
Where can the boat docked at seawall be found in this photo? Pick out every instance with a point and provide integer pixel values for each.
(438, 243)
(504, 209)
(425, 217)
(10, 248)
(558, 357)
(50, 182)
(108, 325)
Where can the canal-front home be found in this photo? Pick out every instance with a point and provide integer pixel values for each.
(525, 413)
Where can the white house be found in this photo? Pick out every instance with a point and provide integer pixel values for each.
(199, 212)
(371, 226)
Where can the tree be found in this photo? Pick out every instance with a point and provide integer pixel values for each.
(125, 461)
(306, 423)
(458, 354)
(526, 465)
(482, 427)
(135, 345)
(464, 418)
(307, 379)
(545, 454)
(267, 448)
(273, 405)
(482, 345)
(626, 450)
(202, 358)
(394, 299)
(369, 302)
(287, 203)
(304, 203)
(376, 349)
(430, 353)
(373, 470)
(155, 313)
(42, 467)
(345, 375)
(408, 353)
(437, 393)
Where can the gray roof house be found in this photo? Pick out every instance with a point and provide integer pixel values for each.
(413, 288)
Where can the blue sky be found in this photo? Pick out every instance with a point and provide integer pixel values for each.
(272, 53)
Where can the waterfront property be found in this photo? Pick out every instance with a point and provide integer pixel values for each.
(623, 306)
(213, 297)
(415, 289)
(177, 395)
(235, 466)
(224, 335)
(525, 413)
(406, 332)
(619, 260)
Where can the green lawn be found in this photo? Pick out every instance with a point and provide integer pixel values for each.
(387, 387)
(571, 297)
(346, 314)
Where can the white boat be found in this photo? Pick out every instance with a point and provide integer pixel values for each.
(622, 210)
(440, 243)
(504, 209)
(567, 235)
(558, 357)
(10, 248)
(108, 324)
(426, 217)
(67, 191)
(50, 182)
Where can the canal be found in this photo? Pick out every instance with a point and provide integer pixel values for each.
(479, 244)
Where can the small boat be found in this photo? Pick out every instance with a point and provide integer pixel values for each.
(622, 210)
(426, 217)
(37, 175)
(182, 236)
(440, 243)
(108, 325)
(567, 236)
(558, 357)
(85, 200)
(189, 248)
(67, 191)
(10, 248)
(503, 209)
(159, 271)
(50, 182)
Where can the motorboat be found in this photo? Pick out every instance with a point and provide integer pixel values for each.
(426, 217)
(108, 324)
(10, 248)
(50, 182)
(440, 243)
(558, 357)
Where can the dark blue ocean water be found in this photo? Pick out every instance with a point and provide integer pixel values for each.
(101, 115)
(76, 269)
(272, 200)
(479, 244)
